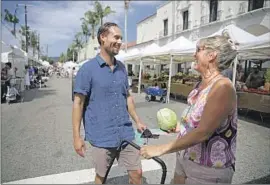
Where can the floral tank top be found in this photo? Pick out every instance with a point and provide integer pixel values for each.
(220, 148)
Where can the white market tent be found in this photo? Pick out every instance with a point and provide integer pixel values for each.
(137, 56)
(238, 35)
(81, 63)
(244, 42)
(153, 50)
(256, 49)
(182, 50)
(46, 63)
(132, 55)
(69, 65)
(121, 55)
(153, 54)
(16, 57)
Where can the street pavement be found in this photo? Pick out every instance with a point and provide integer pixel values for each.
(36, 142)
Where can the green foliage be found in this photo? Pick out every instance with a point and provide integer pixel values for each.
(62, 58)
(267, 76)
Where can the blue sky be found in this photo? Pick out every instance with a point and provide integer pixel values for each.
(59, 21)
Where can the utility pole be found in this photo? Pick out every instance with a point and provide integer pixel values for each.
(47, 51)
(73, 56)
(126, 12)
(38, 46)
(173, 20)
(26, 28)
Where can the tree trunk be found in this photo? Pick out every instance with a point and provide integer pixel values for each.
(101, 21)
(14, 29)
(93, 32)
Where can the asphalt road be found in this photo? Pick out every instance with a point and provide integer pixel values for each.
(36, 139)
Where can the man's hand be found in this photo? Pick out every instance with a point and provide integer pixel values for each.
(140, 126)
(79, 146)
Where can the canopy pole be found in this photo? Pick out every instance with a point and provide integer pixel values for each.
(235, 62)
(169, 82)
(140, 77)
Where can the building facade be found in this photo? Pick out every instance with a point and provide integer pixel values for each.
(196, 19)
(90, 49)
(193, 20)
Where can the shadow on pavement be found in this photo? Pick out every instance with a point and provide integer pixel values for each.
(254, 117)
(37, 93)
(146, 104)
(122, 180)
(262, 180)
(178, 98)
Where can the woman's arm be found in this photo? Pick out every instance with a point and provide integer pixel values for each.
(221, 100)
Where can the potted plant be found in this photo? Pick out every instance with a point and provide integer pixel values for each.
(267, 80)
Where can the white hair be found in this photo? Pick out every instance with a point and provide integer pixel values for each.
(225, 48)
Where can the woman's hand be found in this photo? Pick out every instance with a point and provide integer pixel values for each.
(152, 151)
(176, 129)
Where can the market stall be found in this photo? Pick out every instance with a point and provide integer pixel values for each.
(173, 52)
(256, 98)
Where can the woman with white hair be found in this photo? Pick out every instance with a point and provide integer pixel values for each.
(206, 145)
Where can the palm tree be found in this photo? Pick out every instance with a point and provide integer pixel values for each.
(74, 50)
(23, 31)
(91, 18)
(11, 19)
(78, 40)
(34, 42)
(85, 30)
(102, 12)
(62, 58)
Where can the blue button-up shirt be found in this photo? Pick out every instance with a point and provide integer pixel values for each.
(106, 117)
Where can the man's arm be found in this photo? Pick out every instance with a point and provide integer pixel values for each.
(131, 108)
(82, 88)
(77, 112)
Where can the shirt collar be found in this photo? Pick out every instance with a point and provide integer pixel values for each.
(102, 63)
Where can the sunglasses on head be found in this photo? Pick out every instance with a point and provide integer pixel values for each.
(198, 49)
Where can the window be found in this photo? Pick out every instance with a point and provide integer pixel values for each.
(179, 69)
(213, 10)
(185, 20)
(165, 25)
(255, 4)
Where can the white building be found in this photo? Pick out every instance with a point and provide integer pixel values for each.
(90, 49)
(193, 20)
(196, 19)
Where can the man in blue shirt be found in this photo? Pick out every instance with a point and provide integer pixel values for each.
(103, 101)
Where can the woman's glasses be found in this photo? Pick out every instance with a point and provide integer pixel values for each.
(198, 48)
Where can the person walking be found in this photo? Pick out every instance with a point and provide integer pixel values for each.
(27, 78)
(206, 144)
(103, 101)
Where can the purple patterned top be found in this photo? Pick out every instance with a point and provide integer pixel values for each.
(219, 150)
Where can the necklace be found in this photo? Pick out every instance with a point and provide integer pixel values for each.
(201, 86)
(184, 119)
